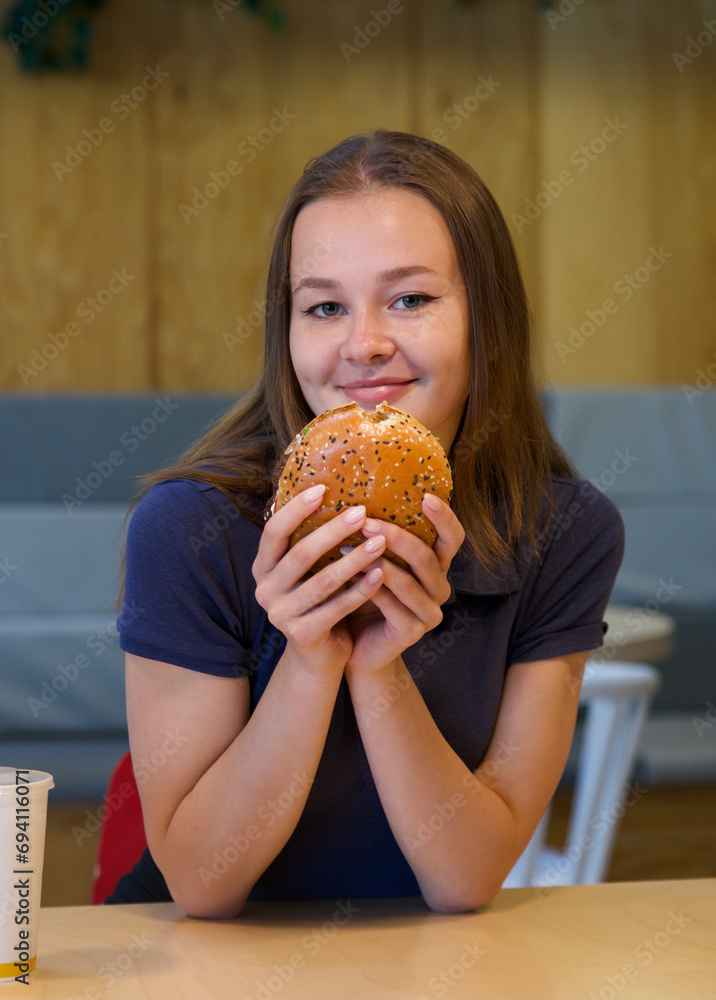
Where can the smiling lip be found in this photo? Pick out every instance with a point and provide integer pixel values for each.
(375, 391)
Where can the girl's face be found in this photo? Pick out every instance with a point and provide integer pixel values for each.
(379, 309)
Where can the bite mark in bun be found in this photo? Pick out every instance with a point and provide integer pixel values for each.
(382, 458)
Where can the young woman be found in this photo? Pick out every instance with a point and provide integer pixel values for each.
(368, 730)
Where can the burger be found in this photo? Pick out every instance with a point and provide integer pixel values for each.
(382, 458)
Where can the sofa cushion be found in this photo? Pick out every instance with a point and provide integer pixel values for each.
(61, 673)
(92, 448)
(57, 561)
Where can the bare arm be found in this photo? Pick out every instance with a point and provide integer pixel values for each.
(209, 808)
(461, 832)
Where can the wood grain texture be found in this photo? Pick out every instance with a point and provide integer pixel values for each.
(515, 91)
(559, 945)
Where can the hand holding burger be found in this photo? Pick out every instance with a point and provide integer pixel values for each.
(382, 458)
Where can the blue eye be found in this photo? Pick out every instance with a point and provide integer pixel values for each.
(330, 309)
(413, 301)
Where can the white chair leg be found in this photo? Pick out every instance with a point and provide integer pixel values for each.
(617, 696)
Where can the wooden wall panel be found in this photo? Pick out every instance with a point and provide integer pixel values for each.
(281, 100)
(69, 228)
(595, 221)
(479, 96)
(196, 277)
(682, 186)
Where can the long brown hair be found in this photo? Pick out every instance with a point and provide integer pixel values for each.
(503, 453)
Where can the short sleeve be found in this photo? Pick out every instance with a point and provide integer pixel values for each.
(183, 602)
(576, 565)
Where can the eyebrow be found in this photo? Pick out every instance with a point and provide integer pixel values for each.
(384, 277)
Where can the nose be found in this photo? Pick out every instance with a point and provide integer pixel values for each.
(366, 342)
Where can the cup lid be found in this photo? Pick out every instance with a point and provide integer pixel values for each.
(38, 781)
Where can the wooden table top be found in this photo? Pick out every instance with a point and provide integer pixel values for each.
(636, 940)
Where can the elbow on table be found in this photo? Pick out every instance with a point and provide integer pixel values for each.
(461, 900)
(203, 907)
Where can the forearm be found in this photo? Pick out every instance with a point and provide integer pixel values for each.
(242, 810)
(456, 833)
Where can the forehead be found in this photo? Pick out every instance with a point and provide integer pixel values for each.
(379, 221)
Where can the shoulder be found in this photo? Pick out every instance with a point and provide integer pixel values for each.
(578, 502)
(582, 526)
(193, 512)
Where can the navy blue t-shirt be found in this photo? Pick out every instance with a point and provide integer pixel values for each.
(190, 601)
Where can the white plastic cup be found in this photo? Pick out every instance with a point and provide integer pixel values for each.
(23, 818)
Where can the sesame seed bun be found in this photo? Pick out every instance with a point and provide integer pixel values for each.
(382, 458)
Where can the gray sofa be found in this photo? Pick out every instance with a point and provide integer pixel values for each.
(68, 471)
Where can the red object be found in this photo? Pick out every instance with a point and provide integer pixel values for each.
(122, 840)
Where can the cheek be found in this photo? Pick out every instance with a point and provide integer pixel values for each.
(312, 362)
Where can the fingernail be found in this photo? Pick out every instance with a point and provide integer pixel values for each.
(374, 575)
(355, 514)
(432, 502)
(374, 544)
(371, 526)
(346, 550)
(310, 496)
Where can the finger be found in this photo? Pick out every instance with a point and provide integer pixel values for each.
(304, 555)
(281, 525)
(451, 533)
(321, 619)
(401, 625)
(405, 593)
(422, 560)
(325, 584)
